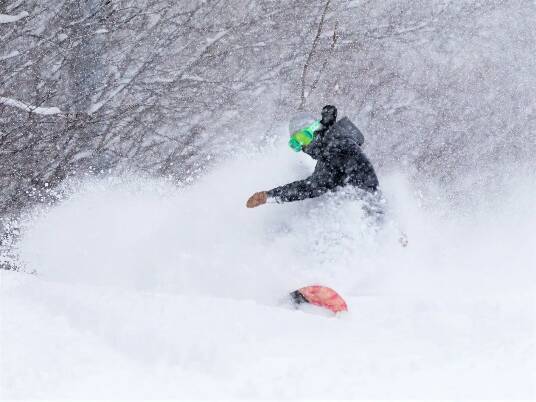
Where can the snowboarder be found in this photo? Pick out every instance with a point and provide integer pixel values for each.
(336, 146)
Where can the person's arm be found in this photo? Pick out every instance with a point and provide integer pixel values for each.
(313, 186)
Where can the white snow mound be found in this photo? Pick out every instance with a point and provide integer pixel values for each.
(143, 290)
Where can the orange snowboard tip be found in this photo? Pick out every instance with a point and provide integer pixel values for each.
(324, 297)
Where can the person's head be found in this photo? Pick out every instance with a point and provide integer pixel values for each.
(301, 128)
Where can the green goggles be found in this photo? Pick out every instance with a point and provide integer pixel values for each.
(303, 137)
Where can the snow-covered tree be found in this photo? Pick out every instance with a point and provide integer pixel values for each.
(160, 86)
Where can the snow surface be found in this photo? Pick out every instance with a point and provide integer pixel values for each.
(147, 291)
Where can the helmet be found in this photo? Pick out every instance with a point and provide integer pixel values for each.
(302, 127)
(300, 120)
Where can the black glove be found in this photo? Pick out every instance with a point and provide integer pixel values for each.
(329, 115)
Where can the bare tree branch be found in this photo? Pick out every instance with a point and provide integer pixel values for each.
(311, 54)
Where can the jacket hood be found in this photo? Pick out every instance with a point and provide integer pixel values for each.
(340, 137)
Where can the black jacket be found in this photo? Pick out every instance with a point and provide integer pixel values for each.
(340, 162)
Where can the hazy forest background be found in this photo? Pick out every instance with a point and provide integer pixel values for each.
(169, 88)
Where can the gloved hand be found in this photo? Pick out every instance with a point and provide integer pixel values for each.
(257, 199)
(329, 115)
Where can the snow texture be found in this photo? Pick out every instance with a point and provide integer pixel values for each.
(146, 291)
(5, 18)
(9, 55)
(29, 108)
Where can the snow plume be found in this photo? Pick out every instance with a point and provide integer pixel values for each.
(180, 291)
(146, 234)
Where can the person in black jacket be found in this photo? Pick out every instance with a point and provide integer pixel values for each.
(340, 163)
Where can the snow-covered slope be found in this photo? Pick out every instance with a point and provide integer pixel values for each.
(146, 291)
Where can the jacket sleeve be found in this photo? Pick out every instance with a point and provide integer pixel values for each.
(360, 172)
(315, 185)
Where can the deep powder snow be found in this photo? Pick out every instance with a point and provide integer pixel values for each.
(143, 290)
